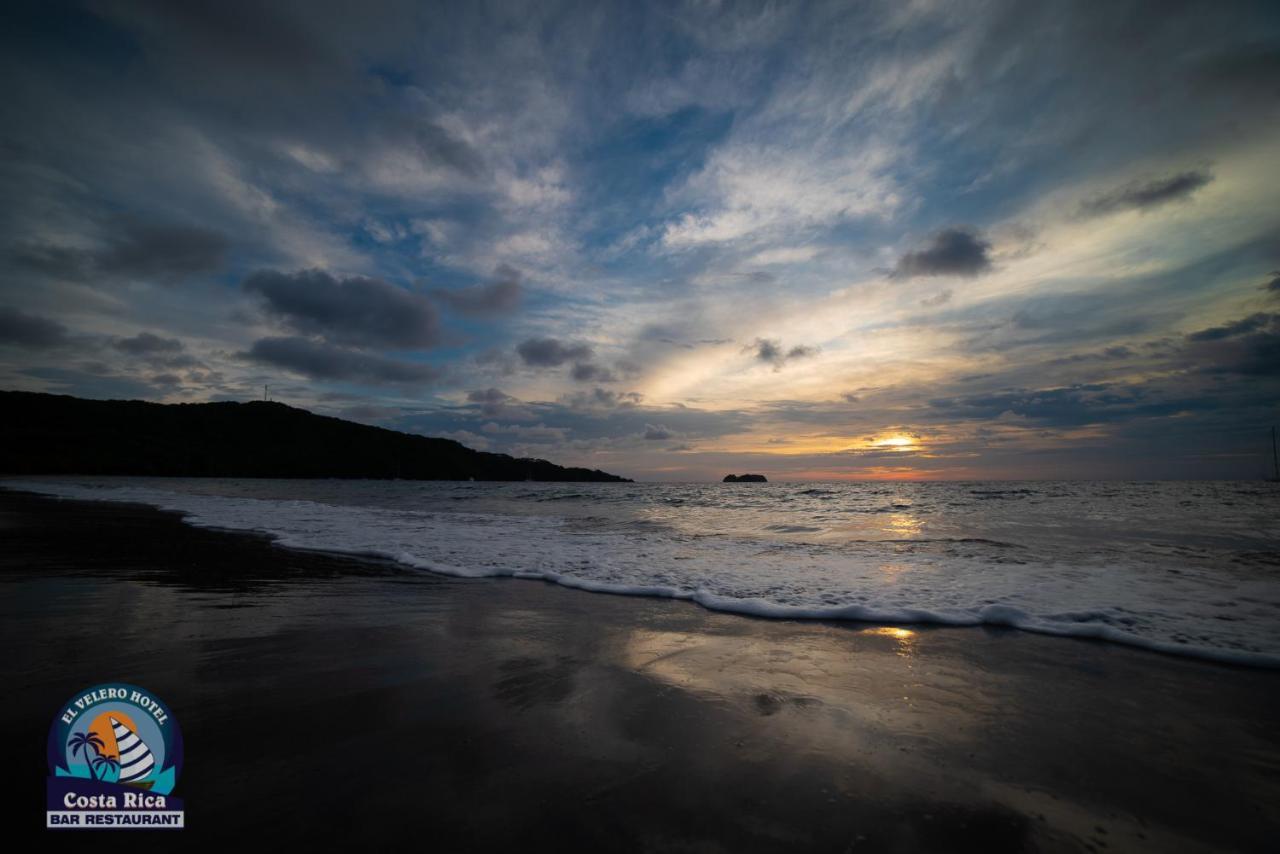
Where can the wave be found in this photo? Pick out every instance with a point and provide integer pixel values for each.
(1182, 611)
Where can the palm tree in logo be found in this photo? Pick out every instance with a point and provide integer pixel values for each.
(105, 764)
(82, 742)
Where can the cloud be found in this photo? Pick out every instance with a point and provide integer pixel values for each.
(1115, 353)
(1273, 287)
(950, 252)
(678, 334)
(1068, 406)
(495, 403)
(1244, 325)
(771, 351)
(328, 362)
(163, 252)
(585, 372)
(166, 380)
(540, 433)
(19, 329)
(353, 310)
(752, 190)
(146, 344)
(1251, 71)
(657, 433)
(94, 383)
(1249, 346)
(551, 352)
(143, 251)
(499, 296)
(937, 299)
(1145, 195)
(368, 412)
(602, 398)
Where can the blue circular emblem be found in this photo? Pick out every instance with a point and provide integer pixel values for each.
(116, 737)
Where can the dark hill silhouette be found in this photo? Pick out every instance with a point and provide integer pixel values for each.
(58, 434)
(745, 478)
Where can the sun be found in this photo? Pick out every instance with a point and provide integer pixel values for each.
(898, 441)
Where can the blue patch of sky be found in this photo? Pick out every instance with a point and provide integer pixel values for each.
(626, 175)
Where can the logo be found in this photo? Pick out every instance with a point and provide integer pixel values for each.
(114, 757)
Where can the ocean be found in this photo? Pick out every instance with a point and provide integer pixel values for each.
(1188, 568)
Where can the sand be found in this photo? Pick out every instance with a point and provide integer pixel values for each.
(338, 701)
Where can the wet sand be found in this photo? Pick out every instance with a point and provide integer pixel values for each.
(338, 701)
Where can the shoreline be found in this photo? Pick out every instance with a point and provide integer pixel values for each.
(342, 699)
(993, 615)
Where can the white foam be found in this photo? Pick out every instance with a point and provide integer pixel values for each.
(1192, 612)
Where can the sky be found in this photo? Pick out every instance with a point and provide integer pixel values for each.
(671, 240)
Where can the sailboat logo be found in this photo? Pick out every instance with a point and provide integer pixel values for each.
(135, 759)
(114, 756)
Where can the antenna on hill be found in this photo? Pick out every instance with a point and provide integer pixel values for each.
(264, 394)
(1275, 458)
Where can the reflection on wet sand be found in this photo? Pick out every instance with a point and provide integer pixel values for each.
(846, 672)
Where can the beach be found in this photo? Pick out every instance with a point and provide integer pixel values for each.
(344, 700)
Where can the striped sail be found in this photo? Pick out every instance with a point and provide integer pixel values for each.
(136, 760)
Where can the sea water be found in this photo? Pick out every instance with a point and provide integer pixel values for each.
(1191, 568)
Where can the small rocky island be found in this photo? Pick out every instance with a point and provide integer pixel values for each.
(745, 478)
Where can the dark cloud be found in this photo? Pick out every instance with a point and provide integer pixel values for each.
(501, 361)
(602, 398)
(950, 252)
(493, 403)
(771, 351)
(1235, 328)
(802, 351)
(586, 372)
(488, 395)
(328, 362)
(370, 413)
(166, 380)
(279, 64)
(497, 297)
(767, 350)
(1273, 287)
(657, 433)
(1066, 320)
(1249, 346)
(1144, 195)
(146, 344)
(162, 253)
(93, 383)
(157, 351)
(19, 329)
(663, 333)
(1116, 353)
(437, 145)
(1069, 406)
(1251, 71)
(552, 352)
(59, 261)
(353, 310)
(677, 335)
(232, 35)
(937, 299)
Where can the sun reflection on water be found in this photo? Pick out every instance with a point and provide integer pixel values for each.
(906, 638)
